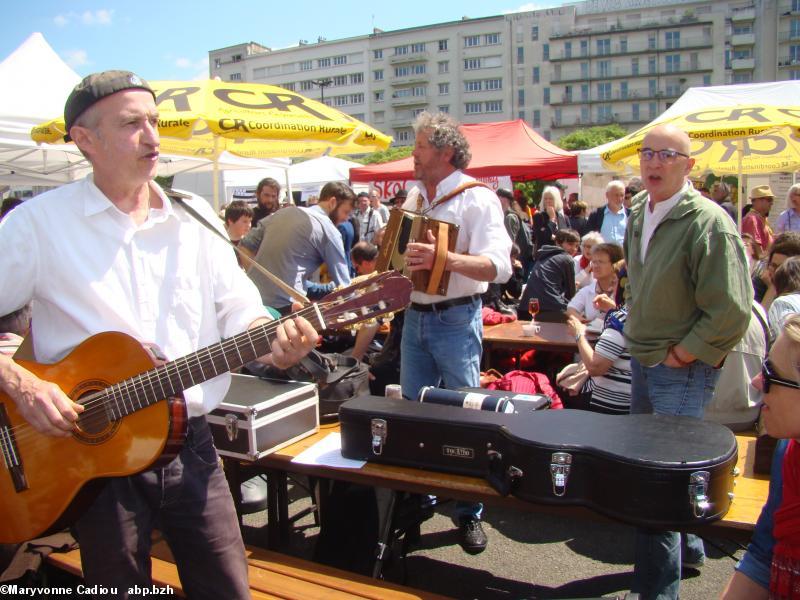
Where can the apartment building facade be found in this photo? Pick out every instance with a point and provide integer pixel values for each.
(560, 69)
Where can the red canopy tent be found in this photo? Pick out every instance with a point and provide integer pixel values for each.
(502, 148)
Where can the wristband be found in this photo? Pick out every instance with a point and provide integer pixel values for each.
(579, 336)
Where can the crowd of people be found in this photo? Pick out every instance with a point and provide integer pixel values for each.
(685, 308)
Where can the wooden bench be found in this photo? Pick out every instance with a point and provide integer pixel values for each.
(273, 576)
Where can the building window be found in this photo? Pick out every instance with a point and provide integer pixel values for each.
(403, 135)
(340, 60)
(288, 86)
(653, 109)
(585, 114)
(472, 40)
(743, 77)
(494, 84)
(236, 58)
(706, 80)
(673, 63)
(635, 111)
(236, 77)
(537, 118)
(604, 46)
(634, 66)
(545, 51)
(584, 70)
(340, 80)
(584, 48)
(419, 91)
(604, 68)
(357, 98)
(567, 49)
(652, 87)
(323, 62)
(378, 96)
(444, 89)
(546, 93)
(401, 71)
(306, 86)
(472, 108)
(400, 50)
(444, 66)
(604, 91)
(557, 118)
(472, 86)
(377, 54)
(651, 41)
(623, 90)
(494, 106)
(672, 40)
(404, 93)
(604, 113)
(794, 74)
(442, 45)
(340, 100)
(535, 74)
(521, 99)
(418, 69)
(217, 63)
(492, 39)
(652, 65)
(356, 78)
(418, 47)
(521, 115)
(377, 75)
(305, 65)
(584, 92)
(623, 44)
(443, 108)
(472, 63)
(535, 33)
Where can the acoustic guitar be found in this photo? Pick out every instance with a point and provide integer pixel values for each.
(134, 415)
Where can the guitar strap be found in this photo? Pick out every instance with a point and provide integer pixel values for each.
(439, 201)
(180, 199)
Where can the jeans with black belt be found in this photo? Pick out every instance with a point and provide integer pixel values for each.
(442, 346)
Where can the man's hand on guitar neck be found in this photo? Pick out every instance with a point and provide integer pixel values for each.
(41, 403)
(294, 338)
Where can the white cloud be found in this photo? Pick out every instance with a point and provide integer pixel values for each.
(200, 67)
(76, 58)
(524, 8)
(101, 16)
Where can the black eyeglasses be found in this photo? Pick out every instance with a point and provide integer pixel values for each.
(665, 156)
(768, 377)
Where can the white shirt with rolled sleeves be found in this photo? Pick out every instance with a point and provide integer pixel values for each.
(478, 214)
(89, 268)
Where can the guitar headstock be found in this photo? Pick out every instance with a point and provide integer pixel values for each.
(376, 296)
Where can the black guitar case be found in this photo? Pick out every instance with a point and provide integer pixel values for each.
(648, 470)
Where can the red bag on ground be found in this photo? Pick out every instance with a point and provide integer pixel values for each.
(526, 382)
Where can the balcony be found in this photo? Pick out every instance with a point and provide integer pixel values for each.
(786, 7)
(409, 101)
(788, 36)
(398, 81)
(788, 61)
(740, 64)
(574, 76)
(743, 14)
(399, 122)
(743, 39)
(698, 42)
(618, 96)
(397, 59)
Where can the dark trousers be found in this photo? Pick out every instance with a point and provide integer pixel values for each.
(190, 502)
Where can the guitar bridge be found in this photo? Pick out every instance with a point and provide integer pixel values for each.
(11, 456)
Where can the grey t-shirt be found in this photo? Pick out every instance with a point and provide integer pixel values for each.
(291, 244)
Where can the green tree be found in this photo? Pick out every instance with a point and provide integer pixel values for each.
(590, 137)
(382, 156)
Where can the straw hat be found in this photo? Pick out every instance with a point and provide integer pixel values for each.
(761, 191)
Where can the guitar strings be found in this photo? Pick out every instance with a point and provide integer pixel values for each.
(92, 416)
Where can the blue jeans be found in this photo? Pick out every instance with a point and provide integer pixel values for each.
(667, 391)
(443, 347)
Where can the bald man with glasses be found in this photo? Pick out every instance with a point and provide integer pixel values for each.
(689, 297)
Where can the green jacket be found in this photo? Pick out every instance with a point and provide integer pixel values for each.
(693, 289)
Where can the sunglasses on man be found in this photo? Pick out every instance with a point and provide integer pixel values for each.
(768, 377)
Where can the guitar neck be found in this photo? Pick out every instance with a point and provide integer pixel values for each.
(172, 378)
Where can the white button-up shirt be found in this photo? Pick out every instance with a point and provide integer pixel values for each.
(478, 214)
(89, 268)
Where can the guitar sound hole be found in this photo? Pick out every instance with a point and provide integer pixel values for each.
(93, 421)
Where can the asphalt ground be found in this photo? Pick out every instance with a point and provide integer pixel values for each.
(530, 556)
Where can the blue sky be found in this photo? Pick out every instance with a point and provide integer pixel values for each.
(171, 39)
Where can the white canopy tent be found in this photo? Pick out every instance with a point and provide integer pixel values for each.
(696, 98)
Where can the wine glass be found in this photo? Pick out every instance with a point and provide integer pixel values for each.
(533, 308)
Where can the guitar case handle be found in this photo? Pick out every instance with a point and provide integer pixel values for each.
(503, 479)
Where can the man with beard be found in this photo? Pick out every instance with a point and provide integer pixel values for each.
(267, 194)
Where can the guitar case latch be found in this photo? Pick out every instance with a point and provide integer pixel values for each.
(560, 465)
(231, 426)
(379, 434)
(698, 486)
(503, 480)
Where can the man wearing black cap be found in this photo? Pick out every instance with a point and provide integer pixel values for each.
(399, 198)
(113, 253)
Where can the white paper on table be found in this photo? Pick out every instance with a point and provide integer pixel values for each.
(328, 452)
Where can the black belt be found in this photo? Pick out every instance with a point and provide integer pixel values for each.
(444, 303)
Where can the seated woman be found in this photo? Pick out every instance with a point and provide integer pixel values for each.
(769, 569)
(787, 290)
(583, 261)
(594, 300)
(608, 388)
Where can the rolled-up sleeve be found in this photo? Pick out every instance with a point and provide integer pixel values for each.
(483, 218)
